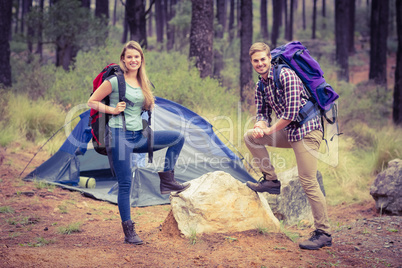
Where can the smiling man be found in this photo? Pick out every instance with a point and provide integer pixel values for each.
(304, 139)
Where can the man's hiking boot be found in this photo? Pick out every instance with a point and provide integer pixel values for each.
(318, 239)
(272, 187)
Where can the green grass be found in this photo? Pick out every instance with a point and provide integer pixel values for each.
(291, 235)
(230, 239)
(23, 220)
(6, 209)
(40, 242)
(43, 185)
(63, 209)
(193, 236)
(262, 230)
(71, 228)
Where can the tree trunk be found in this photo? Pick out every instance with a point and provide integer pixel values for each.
(159, 21)
(286, 19)
(201, 35)
(323, 13)
(150, 23)
(246, 39)
(231, 20)
(170, 29)
(30, 31)
(341, 39)
(264, 19)
(304, 15)
(323, 9)
(115, 12)
(378, 41)
(86, 3)
(351, 30)
(17, 15)
(219, 30)
(222, 17)
(125, 28)
(313, 36)
(135, 14)
(290, 27)
(39, 48)
(5, 31)
(65, 52)
(397, 106)
(102, 9)
(24, 11)
(238, 13)
(277, 10)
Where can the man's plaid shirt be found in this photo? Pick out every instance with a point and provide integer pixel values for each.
(287, 105)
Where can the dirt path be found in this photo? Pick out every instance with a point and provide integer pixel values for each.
(32, 218)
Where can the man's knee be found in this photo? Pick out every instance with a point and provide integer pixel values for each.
(248, 137)
(310, 185)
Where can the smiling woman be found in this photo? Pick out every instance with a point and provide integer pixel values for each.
(124, 131)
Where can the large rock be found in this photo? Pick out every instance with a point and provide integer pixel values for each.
(218, 203)
(387, 189)
(292, 205)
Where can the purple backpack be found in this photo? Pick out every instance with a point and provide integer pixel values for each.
(321, 95)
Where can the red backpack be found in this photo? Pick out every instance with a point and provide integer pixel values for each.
(98, 120)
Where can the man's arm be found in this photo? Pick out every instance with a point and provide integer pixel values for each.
(261, 128)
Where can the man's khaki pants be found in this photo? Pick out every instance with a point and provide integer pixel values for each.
(306, 165)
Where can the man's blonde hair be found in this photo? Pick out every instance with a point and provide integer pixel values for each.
(258, 47)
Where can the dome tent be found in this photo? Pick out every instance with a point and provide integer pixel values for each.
(202, 152)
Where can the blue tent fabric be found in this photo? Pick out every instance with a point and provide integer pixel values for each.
(78, 140)
(202, 152)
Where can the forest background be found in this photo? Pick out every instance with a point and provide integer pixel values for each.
(56, 48)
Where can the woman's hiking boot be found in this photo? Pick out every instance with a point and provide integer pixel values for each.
(169, 184)
(272, 187)
(131, 236)
(318, 239)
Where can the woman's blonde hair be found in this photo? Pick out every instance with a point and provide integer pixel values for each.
(142, 77)
(258, 47)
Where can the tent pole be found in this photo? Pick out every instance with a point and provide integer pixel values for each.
(54, 134)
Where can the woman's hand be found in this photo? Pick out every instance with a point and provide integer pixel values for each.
(120, 107)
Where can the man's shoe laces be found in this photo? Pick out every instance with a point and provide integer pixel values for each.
(315, 235)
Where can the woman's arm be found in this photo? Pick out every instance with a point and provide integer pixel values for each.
(104, 90)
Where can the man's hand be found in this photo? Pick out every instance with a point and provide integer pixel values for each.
(260, 128)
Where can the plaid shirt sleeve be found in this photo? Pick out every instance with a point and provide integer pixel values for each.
(292, 86)
(264, 111)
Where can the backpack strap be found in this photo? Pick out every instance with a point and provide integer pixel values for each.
(277, 78)
(150, 134)
(150, 139)
(261, 89)
(122, 94)
(334, 120)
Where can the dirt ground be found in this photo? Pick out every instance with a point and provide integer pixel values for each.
(33, 218)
